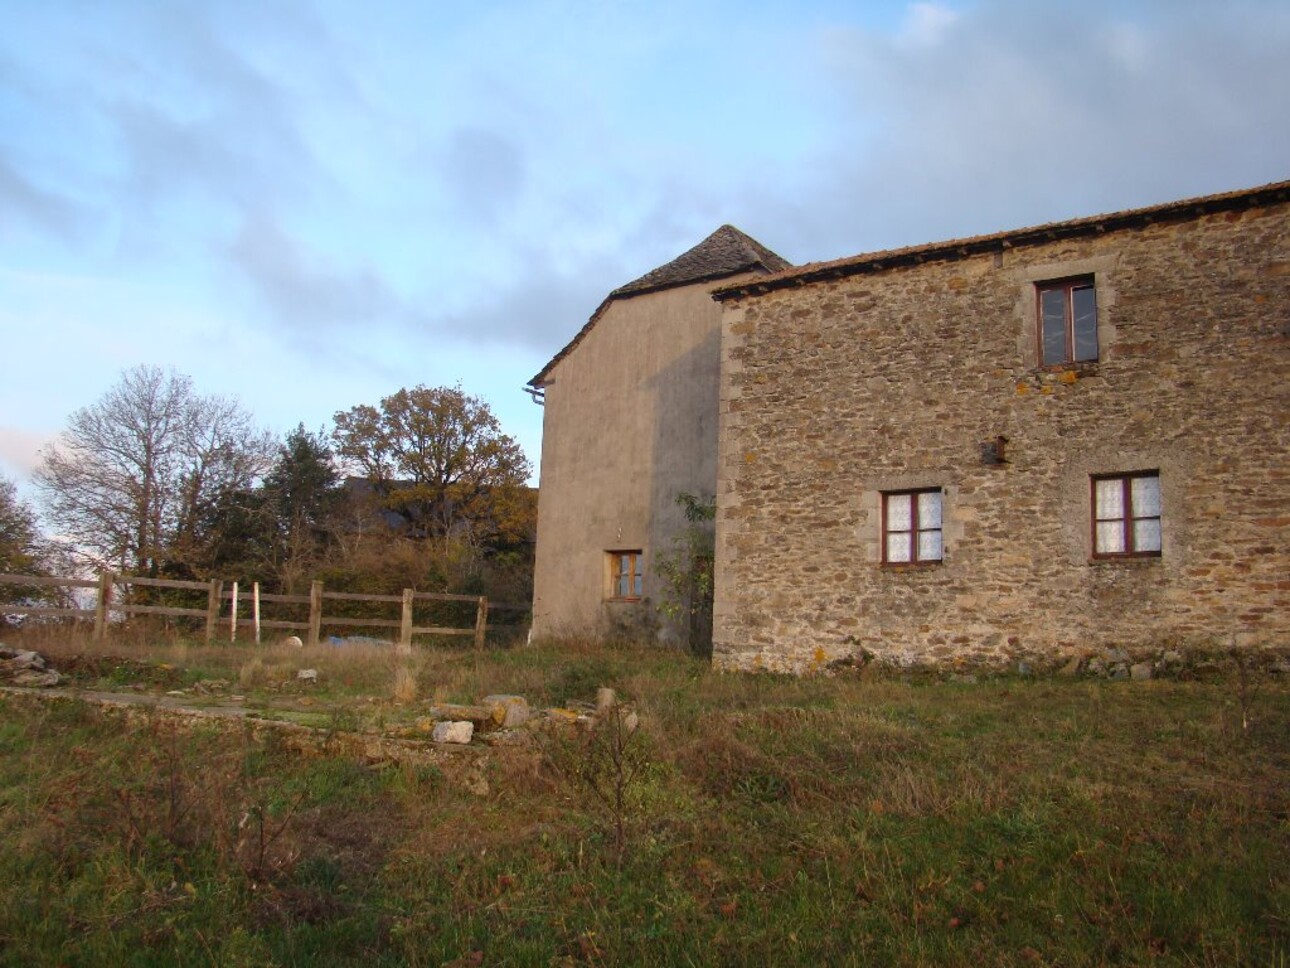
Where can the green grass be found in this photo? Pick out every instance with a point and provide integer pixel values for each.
(850, 821)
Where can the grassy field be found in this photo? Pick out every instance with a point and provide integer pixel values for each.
(867, 820)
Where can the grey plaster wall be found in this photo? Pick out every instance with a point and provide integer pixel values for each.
(630, 421)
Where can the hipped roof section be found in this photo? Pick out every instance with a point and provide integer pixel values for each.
(726, 252)
(1272, 194)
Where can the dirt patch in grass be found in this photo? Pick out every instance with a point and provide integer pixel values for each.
(107, 671)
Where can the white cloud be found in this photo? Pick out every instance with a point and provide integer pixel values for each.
(1036, 112)
(926, 24)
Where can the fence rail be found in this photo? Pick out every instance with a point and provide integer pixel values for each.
(108, 603)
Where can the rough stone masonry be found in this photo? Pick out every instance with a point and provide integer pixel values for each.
(845, 382)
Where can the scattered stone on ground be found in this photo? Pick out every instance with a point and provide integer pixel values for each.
(210, 687)
(564, 717)
(1168, 663)
(504, 719)
(484, 716)
(453, 732)
(514, 710)
(1072, 668)
(20, 667)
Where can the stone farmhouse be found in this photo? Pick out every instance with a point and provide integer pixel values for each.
(1024, 444)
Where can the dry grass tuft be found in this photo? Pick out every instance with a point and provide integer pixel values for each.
(405, 685)
(251, 673)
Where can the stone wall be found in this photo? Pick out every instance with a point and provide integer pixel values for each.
(835, 391)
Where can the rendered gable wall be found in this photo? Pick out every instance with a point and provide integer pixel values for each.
(834, 391)
(630, 421)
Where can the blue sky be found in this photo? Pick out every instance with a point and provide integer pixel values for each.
(308, 205)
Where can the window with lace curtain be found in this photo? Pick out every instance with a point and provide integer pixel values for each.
(1126, 515)
(911, 527)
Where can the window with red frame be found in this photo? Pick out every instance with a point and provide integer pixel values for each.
(911, 527)
(1126, 515)
(1067, 321)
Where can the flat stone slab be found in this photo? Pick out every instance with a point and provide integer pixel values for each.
(484, 716)
(514, 710)
(453, 732)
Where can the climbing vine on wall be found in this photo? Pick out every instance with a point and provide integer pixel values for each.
(685, 571)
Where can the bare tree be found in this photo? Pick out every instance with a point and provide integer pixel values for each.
(223, 453)
(129, 475)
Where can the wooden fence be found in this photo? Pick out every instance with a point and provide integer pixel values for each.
(107, 603)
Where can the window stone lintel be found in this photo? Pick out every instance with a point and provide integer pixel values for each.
(869, 531)
(1026, 320)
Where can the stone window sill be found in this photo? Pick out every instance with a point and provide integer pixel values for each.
(1127, 561)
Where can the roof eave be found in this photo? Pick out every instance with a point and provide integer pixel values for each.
(1037, 235)
(540, 380)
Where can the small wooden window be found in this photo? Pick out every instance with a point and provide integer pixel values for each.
(625, 575)
(1126, 515)
(1067, 321)
(911, 527)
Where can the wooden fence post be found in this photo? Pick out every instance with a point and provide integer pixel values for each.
(212, 608)
(405, 624)
(315, 611)
(481, 621)
(101, 606)
(255, 610)
(232, 616)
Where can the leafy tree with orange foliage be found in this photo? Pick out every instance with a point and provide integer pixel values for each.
(437, 457)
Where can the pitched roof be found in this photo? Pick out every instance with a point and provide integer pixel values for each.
(1275, 193)
(726, 252)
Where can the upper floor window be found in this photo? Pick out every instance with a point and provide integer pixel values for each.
(625, 575)
(1067, 321)
(1126, 515)
(911, 526)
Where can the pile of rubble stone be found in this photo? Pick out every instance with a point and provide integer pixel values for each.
(19, 667)
(501, 719)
